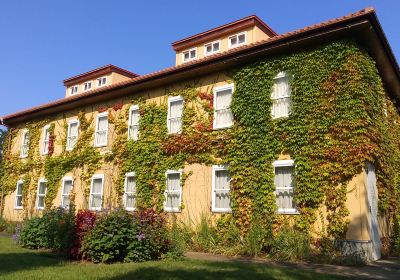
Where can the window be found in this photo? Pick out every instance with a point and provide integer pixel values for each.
(221, 201)
(101, 81)
(67, 184)
(175, 111)
(222, 102)
(284, 185)
(74, 90)
(212, 48)
(72, 134)
(173, 192)
(46, 140)
(87, 85)
(130, 191)
(96, 192)
(133, 127)
(237, 40)
(281, 96)
(25, 144)
(41, 194)
(18, 195)
(101, 133)
(189, 54)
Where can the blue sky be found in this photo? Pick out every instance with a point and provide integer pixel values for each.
(44, 42)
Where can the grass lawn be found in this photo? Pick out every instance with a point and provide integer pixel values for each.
(19, 263)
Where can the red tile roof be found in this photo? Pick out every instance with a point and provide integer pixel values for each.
(175, 70)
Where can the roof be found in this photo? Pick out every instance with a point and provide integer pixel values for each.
(104, 70)
(362, 25)
(225, 29)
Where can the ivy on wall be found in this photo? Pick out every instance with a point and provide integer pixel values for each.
(337, 123)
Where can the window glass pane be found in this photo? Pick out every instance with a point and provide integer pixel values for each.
(96, 201)
(67, 187)
(102, 123)
(18, 202)
(283, 177)
(66, 201)
(216, 47)
(233, 40)
(40, 202)
(130, 201)
(208, 48)
(222, 179)
(186, 56)
(42, 188)
(130, 184)
(19, 189)
(176, 108)
(192, 53)
(97, 185)
(224, 98)
(26, 138)
(242, 38)
(173, 182)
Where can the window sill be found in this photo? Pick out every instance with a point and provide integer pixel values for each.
(18, 208)
(172, 210)
(221, 211)
(222, 127)
(40, 208)
(23, 156)
(130, 209)
(288, 212)
(100, 145)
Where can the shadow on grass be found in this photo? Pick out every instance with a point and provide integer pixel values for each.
(218, 270)
(12, 262)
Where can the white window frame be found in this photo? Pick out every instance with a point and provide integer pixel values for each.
(100, 80)
(274, 99)
(189, 51)
(66, 178)
(20, 184)
(74, 90)
(85, 86)
(96, 144)
(212, 51)
(46, 130)
(214, 190)
(131, 109)
(24, 155)
(68, 147)
(237, 36)
(215, 91)
(127, 175)
(96, 176)
(172, 209)
(285, 163)
(41, 180)
(172, 99)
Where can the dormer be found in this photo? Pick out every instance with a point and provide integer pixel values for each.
(223, 38)
(97, 78)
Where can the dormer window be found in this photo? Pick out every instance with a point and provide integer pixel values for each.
(88, 85)
(74, 90)
(212, 48)
(237, 40)
(101, 81)
(189, 54)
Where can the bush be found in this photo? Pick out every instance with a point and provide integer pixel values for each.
(84, 223)
(121, 236)
(290, 245)
(52, 231)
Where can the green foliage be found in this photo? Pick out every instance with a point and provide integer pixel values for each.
(290, 245)
(52, 231)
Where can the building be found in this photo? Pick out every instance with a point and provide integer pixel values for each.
(300, 126)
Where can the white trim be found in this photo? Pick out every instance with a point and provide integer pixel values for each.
(189, 51)
(24, 133)
(20, 182)
(71, 90)
(215, 91)
(131, 109)
(274, 99)
(41, 180)
(127, 175)
(68, 148)
(100, 79)
(96, 176)
(66, 178)
(230, 46)
(100, 115)
(84, 85)
(172, 209)
(212, 51)
(170, 100)
(285, 163)
(46, 129)
(214, 190)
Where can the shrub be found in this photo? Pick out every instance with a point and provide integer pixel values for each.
(290, 245)
(52, 231)
(205, 236)
(84, 223)
(121, 236)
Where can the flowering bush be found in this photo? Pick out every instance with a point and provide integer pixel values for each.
(122, 236)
